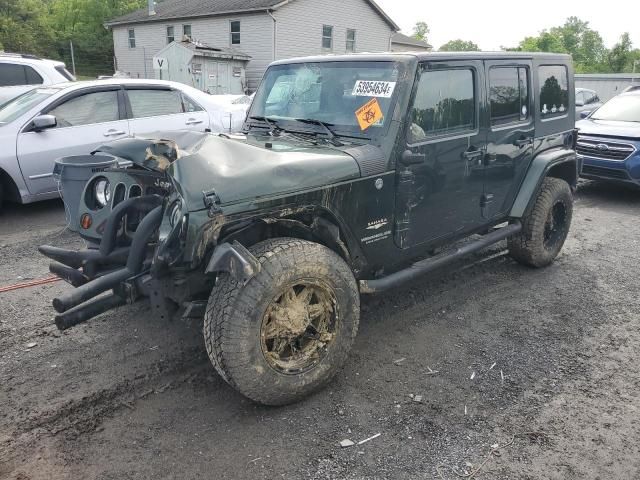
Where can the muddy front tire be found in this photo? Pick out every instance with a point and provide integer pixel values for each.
(545, 228)
(288, 331)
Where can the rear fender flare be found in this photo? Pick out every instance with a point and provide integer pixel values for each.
(560, 162)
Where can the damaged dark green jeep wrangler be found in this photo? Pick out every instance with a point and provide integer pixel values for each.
(353, 175)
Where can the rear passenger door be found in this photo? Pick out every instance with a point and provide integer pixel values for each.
(510, 133)
(161, 108)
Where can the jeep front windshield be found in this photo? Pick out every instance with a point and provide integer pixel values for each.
(353, 98)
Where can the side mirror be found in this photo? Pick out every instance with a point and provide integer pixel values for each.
(410, 158)
(585, 114)
(579, 103)
(43, 122)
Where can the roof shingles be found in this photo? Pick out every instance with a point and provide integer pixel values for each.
(174, 9)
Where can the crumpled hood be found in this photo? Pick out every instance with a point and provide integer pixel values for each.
(608, 128)
(240, 168)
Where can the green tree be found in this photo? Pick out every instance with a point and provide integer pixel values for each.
(575, 37)
(421, 31)
(459, 46)
(621, 56)
(45, 28)
(24, 26)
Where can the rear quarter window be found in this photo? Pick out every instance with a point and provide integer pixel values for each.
(554, 90)
(12, 74)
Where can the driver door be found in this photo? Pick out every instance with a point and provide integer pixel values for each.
(86, 120)
(440, 172)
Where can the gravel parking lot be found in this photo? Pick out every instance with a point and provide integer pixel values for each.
(543, 363)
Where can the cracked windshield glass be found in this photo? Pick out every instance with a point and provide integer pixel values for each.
(351, 97)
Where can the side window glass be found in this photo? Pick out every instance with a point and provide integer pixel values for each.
(554, 90)
(154, 103)
(98, 107)
(189, 105)
(12, 75)
(445, 104)
(508, 94)
(33, 77)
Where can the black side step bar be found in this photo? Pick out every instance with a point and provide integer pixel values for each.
(430, 264)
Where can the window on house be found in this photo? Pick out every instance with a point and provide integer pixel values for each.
(235, 32)
(554, 90)
(171, 34)
(445, 104)
(132, 38)
(327, 37)
(509, 95)
(351, 41)
(186, 30)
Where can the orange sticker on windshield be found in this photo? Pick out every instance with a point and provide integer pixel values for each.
(369, 114)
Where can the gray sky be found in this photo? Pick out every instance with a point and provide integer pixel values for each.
(495, 23)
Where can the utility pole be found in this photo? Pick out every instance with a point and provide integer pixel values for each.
(73, 59)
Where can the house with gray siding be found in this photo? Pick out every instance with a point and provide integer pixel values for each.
(266, 30)
(403, 43)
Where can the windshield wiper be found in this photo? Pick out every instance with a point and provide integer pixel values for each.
(327, 127)
(274, 129)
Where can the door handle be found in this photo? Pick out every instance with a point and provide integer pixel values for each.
(523, 142)
(409, 158)
(193, 121)
(472, 154)
(114, 133)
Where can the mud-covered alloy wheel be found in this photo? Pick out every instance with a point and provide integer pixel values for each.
(288, 331)
(545, 228)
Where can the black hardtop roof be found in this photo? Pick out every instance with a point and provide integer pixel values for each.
(426, 56)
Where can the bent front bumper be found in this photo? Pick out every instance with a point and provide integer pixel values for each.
(123, 269)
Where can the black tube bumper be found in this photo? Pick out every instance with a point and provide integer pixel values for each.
(95, 271)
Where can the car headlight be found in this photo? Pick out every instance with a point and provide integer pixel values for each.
(102, 191)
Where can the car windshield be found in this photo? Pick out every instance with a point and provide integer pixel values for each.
(624, 108)
(18, 106)
(354, 98)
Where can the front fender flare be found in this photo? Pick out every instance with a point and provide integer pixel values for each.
(540, 167)
(235, 260)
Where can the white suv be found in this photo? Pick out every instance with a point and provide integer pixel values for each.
(20, 73)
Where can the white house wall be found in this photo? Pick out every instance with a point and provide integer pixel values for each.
(255, 37)
(299, 27)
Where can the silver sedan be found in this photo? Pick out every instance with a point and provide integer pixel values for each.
(47, 123)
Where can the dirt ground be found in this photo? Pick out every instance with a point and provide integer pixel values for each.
(126, 396)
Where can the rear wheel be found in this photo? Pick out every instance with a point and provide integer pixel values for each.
(287, 331)
(545, 228)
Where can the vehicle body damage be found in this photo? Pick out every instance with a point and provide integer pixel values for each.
(353, 175)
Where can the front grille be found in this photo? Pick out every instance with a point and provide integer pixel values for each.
(603, 172)
(606, 150)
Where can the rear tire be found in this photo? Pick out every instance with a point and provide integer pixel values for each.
(545, 228)
(289, 330)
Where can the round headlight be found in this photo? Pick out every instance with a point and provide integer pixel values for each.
(175, 214)
(102, 190)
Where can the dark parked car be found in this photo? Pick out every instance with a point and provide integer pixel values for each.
(354, 174)
(586, 101)
(609, 140)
